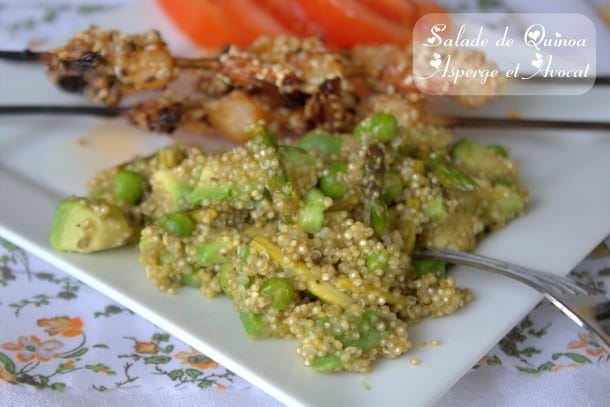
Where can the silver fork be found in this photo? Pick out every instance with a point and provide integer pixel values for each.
(582, 304)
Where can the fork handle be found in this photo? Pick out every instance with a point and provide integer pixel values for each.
(591, 312)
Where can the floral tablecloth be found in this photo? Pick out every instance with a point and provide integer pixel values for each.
(62, 343)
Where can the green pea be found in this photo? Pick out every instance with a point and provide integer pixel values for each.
(321, 141)
(330, 185)
(326, 363)
(311, 215)
(177, 224)
(191, 279)
(377, 261)
(280, 290)
(425, 266)
(392, 187)
(382, 125)
(315, 197)
(253, 324)
(210, 253)
(311, 219)
(128, 186)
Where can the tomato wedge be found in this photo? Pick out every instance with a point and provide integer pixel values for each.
(348, 22)
(400, 11)
(290, 14)
(201, 20)
(249, 21)
(213, 23)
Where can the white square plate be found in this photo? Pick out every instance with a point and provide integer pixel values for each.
(43, 159)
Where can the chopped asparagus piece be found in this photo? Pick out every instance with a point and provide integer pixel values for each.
(425, 266)
(321, 141)
(451, 177)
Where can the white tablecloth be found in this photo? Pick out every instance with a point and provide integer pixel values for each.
(62, 343)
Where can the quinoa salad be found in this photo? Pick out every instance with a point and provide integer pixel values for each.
(311, 238)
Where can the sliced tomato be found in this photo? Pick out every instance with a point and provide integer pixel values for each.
(400, 11)
(213, 23)
(249, 20)
(290, 14)
(201, 20)
(348, 22)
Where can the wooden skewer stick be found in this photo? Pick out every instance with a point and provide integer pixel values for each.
(204, 63)
(449, 121)
(34, 56)
(602, 80)
(501, 123)
(63, 109)
(195, 63)
(23, 56)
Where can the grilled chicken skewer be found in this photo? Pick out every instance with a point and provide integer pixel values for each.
(294, 85)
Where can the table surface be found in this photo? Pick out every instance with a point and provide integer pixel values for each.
(62, 343)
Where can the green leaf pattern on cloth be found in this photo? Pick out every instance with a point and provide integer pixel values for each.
(48, 338)
(56, 333)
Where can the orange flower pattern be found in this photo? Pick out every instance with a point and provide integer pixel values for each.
(64, 326)
(196, 359)
(32, 348)
(146, 347)
(6, 375)
(48, 352)
(585, 342)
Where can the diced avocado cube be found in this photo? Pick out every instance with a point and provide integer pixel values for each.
(434, 209)
(326, 363)
(210, 253)
(369, 336)
(485, 161)
(84, 225)
(175, 190)
(508, 200)
(210, 193)
(191, 279)
(253, 324)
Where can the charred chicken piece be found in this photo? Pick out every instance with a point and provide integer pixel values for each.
(108, 64)
(294, 85)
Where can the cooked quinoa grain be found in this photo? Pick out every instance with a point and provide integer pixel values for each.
(312, 239)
